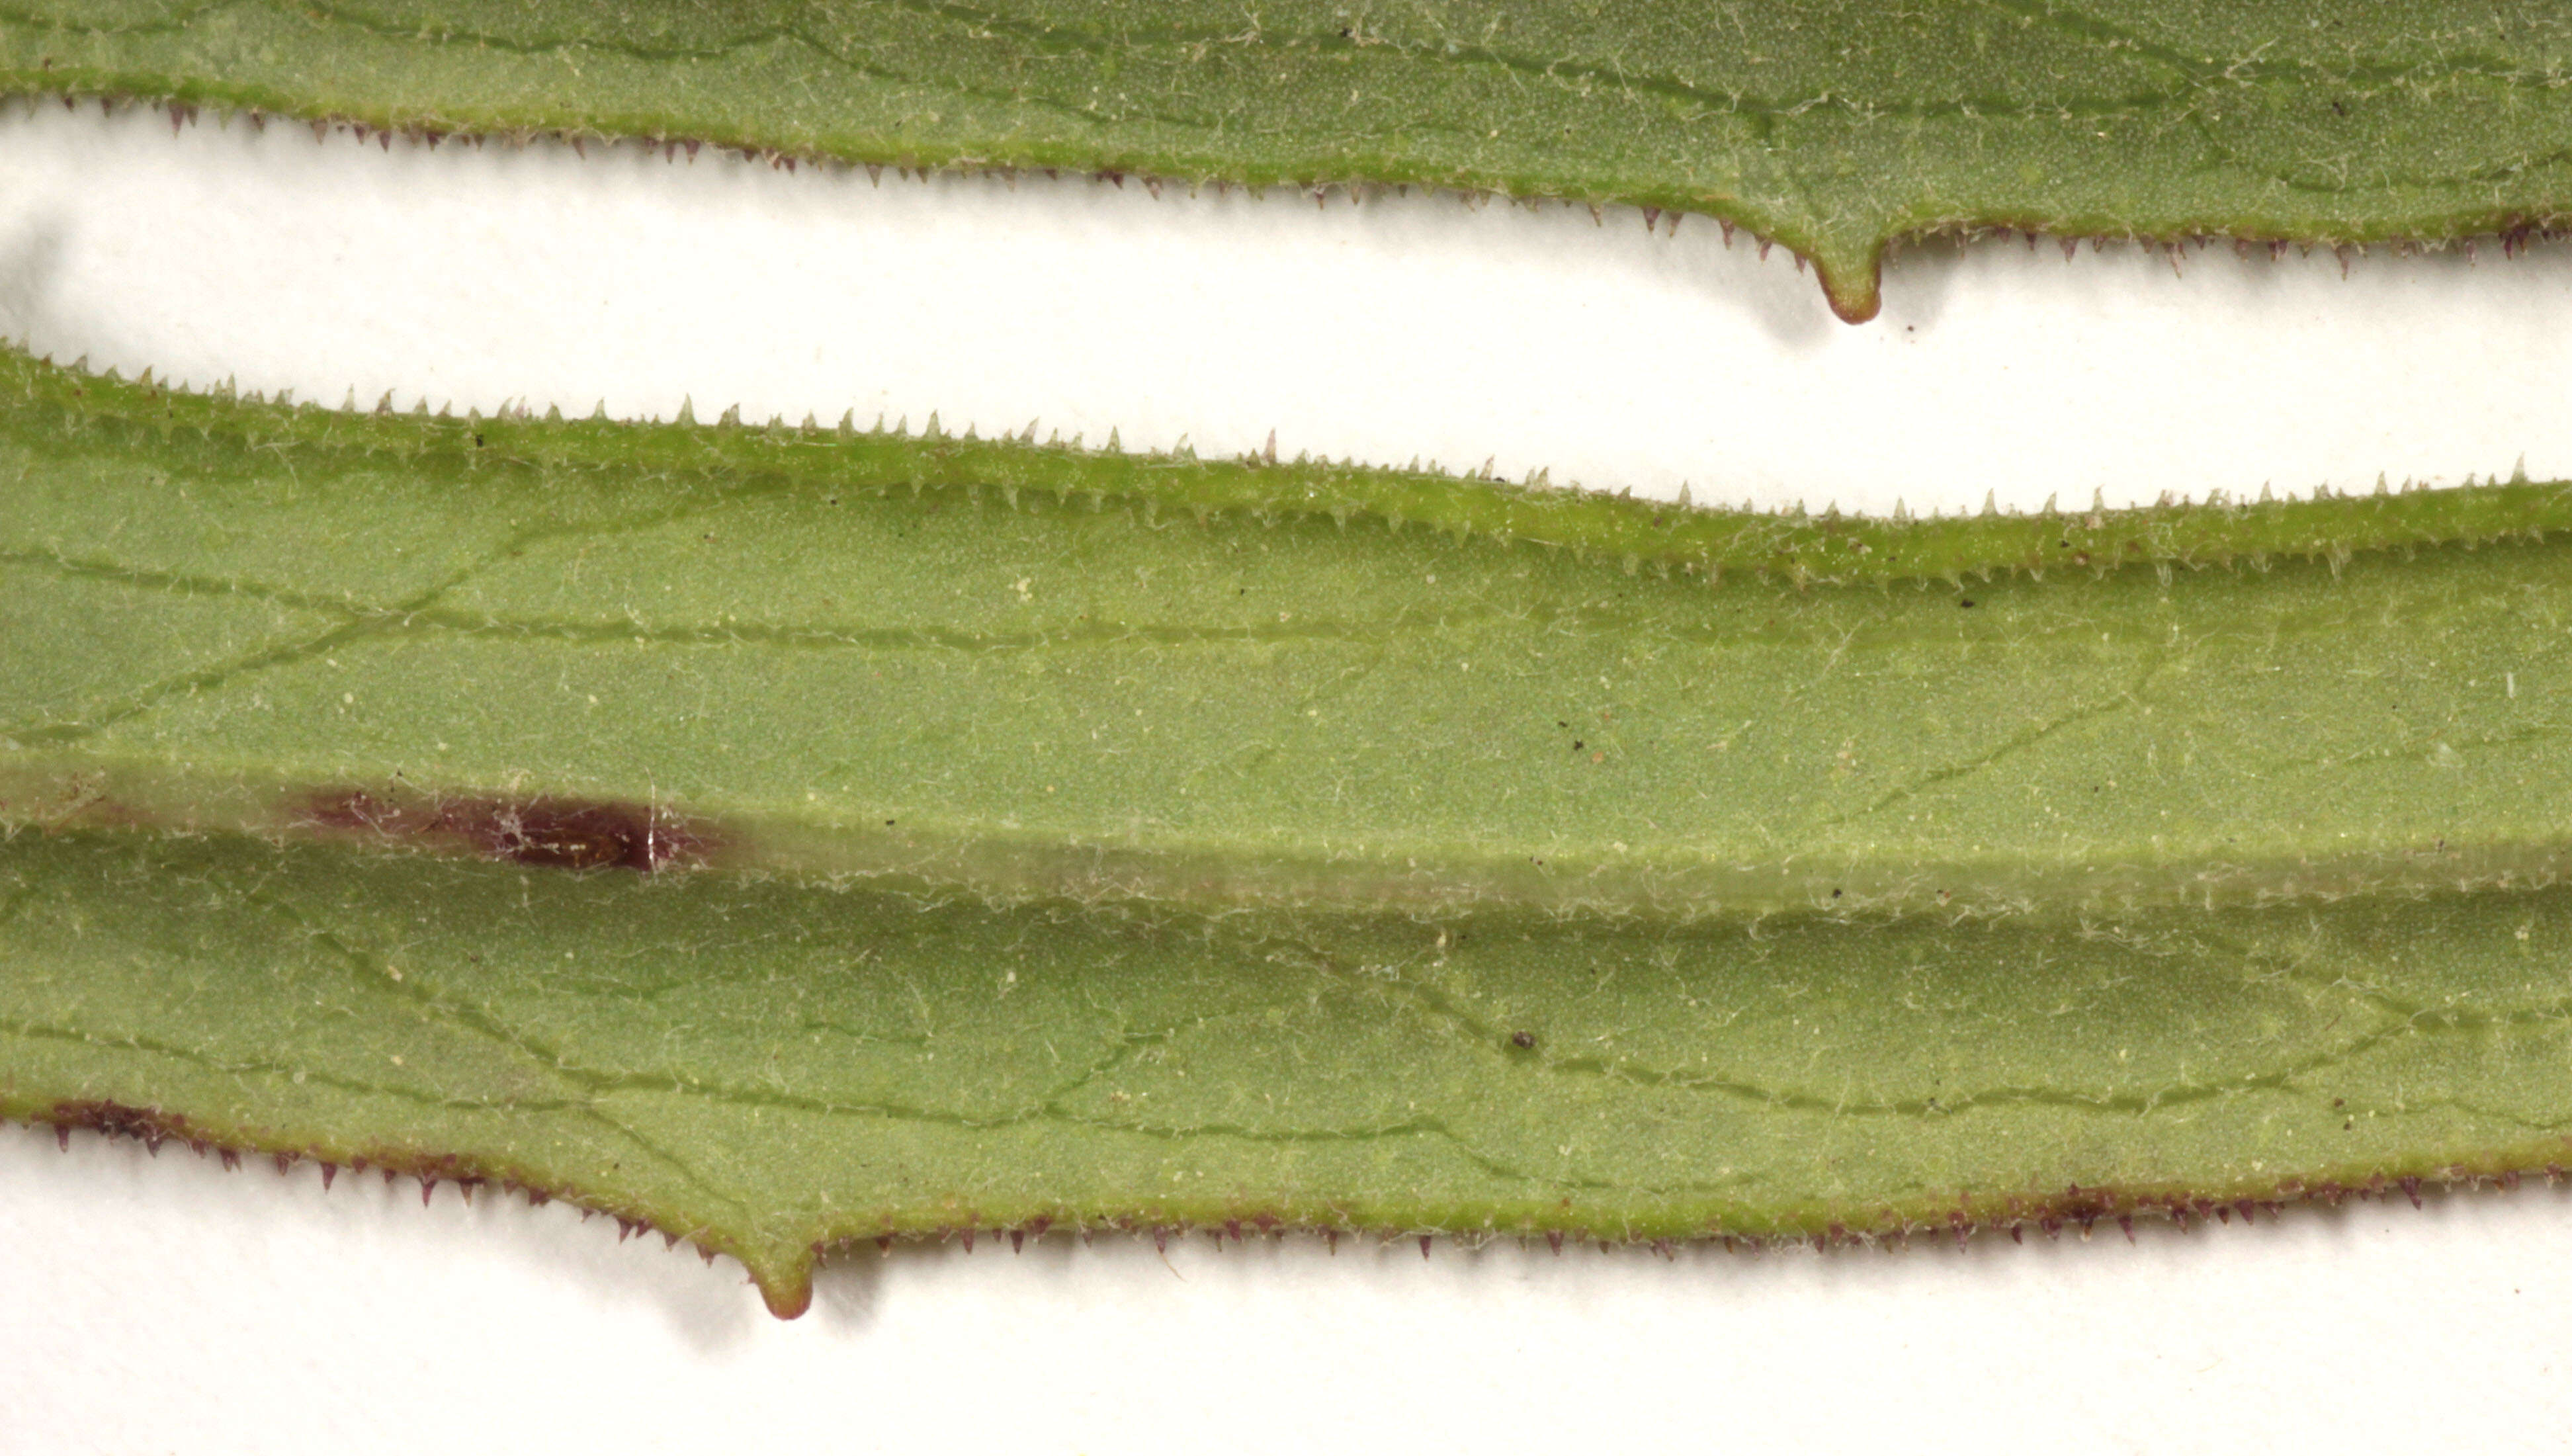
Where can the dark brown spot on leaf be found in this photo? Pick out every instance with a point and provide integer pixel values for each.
(565, 834)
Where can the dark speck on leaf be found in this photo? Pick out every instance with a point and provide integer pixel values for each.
(1968, 601)
(560, 834)
(1524, 1040)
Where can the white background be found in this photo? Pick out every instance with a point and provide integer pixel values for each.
(151, 1305)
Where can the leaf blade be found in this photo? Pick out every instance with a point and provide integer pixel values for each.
(770, 1055)
(1173, 1072)
(1832, 128)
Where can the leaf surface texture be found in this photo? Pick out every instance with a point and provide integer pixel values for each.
(790, 836)
(1833, 127)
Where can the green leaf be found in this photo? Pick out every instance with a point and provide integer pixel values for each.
(783, 836)
(1832, 127)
